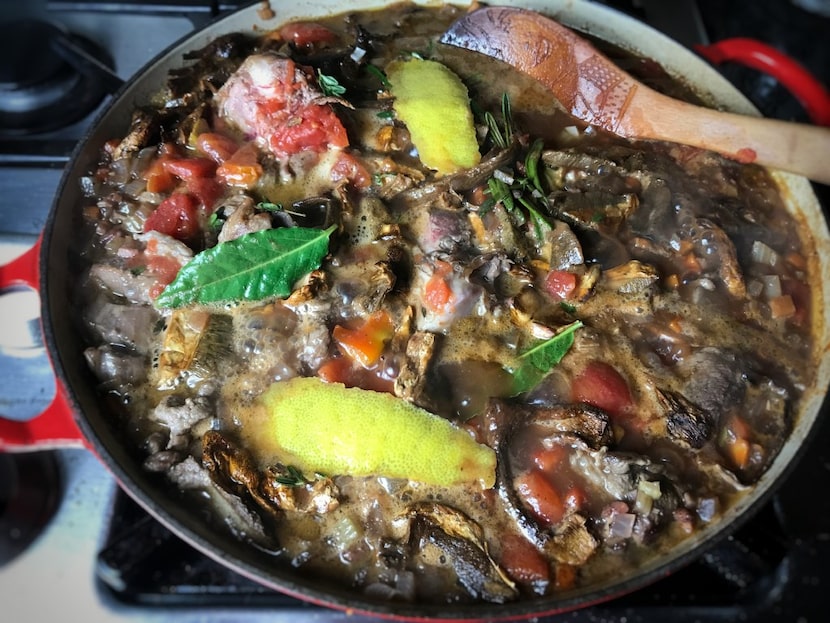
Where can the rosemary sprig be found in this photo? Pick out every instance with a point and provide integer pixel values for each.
(291, 477)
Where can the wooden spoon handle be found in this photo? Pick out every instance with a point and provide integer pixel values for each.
(793, 147)
(595, 90)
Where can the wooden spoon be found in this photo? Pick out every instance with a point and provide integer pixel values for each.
(595, 90)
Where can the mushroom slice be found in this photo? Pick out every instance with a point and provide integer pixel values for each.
(685, 422)
(462, 541)
(410, 382)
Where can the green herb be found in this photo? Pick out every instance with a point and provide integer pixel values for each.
(329, 85)
(532, 160)
(536, 362)
(291, 477)
(567, 307)
(386, 114)
(378, 73)
(267, 206)
(253, 267)
(215, 221)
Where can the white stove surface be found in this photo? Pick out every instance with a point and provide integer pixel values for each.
(54, 579)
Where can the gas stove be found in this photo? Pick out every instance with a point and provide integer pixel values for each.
(72, 542)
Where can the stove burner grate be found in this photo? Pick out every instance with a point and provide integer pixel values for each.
(51, 78)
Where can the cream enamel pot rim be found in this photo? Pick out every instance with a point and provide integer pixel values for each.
(79, 416)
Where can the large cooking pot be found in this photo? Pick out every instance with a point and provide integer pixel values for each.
(80, 417)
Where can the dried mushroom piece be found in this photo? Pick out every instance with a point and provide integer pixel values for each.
(465, 549)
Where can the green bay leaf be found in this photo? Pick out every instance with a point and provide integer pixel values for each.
(536, 362)
(254, 267)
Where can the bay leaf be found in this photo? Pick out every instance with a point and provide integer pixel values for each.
(536, 362)
(254, 267)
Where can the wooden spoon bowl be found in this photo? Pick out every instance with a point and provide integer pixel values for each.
(592, 88)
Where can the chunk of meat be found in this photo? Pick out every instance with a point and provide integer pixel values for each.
(277, 102)
(242, 218)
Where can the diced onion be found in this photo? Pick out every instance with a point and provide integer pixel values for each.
(357, 54)
(772, 286)
(345, 532)
(764, 254)
(651, 488)
(622, 525)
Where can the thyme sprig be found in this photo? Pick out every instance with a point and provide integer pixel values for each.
(329, 85)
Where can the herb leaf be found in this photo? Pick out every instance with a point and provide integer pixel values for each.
(536, 362)
(329, 85)
(256, 266)
(291, 477)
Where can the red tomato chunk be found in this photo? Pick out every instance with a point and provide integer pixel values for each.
(176, 216)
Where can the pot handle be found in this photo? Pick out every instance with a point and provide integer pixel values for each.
(810, 93)
(54, 427)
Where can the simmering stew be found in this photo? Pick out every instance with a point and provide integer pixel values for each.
(393, 316)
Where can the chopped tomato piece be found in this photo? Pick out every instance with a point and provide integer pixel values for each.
(600, 385)
(523, 562)
(540, 496)
(315, 127)
(549, 459)
(241, 169)
(336, 370)
(560, 284)
(206, 189)
(365, 344)
(215, 146)
(306, 34)
(575, 498)
(188, 168)
(344, 370)
(438, 294)
(176, 216)
(350, 168)
(164, 268)
(159, 180)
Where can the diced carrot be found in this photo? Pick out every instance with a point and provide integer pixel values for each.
(796, 260)
(736, 441)
(782, 306)
(739, 452)
(242, 168)
(543, 500)
(365, 343)
(691, 263)
(523, 562)
(564, 576)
